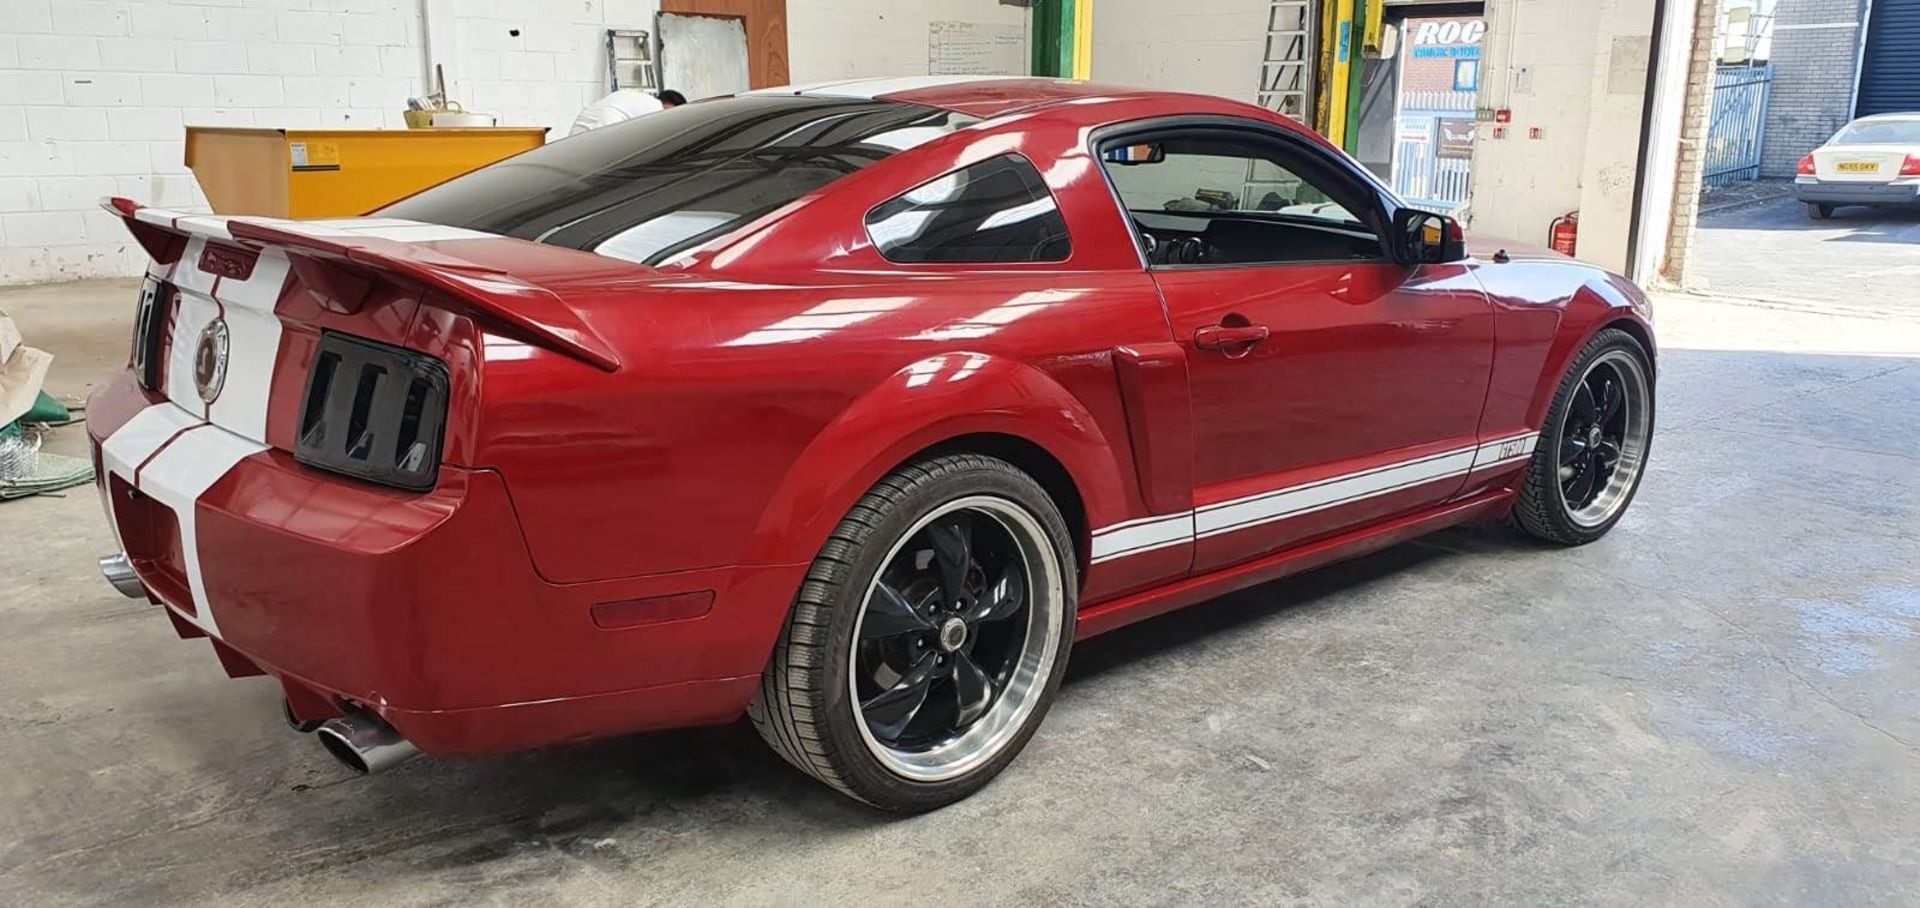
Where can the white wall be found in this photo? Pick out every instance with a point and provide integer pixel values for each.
(852, 39)
(1576, 70)
(95, 94)
(1208, 46)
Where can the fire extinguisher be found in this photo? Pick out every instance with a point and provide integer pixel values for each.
(1564, 233)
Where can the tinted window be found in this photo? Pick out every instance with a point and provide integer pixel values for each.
(998, 210)
(1208, 196)
(653, 186)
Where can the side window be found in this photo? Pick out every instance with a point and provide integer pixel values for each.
(996, 211)
(1215, 197)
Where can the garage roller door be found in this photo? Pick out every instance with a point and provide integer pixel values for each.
(1890, 68)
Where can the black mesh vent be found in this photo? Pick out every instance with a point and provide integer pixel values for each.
(374, 411)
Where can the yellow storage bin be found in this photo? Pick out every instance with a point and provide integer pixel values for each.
(317, 173)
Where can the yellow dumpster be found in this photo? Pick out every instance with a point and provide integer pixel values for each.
(315, 173)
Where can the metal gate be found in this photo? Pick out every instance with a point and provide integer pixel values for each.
(1737, 121)
(1435, 122)
(1433, 149)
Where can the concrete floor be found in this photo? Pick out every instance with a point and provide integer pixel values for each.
(1864, 260)
(1717, 704)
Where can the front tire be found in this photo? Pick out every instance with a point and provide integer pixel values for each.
(1593, 451)
(929, 637)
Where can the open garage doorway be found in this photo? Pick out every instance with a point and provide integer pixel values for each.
(1417, 106)
(1811, 157)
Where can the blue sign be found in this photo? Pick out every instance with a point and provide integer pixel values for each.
(1466, 75)
(1446, 53)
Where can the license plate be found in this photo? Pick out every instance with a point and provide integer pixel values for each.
(1858, 167)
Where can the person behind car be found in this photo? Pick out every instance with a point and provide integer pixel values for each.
(623, 105)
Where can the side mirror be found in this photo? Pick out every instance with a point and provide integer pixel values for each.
(1144, 153)
(1425, 238)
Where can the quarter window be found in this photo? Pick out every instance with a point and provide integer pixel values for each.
(996, 211)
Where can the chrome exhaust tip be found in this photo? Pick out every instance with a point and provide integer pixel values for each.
(118, 569)
(365, 743)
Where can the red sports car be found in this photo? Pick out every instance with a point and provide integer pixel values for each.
(847, 407)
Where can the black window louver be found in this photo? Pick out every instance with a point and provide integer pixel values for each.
(375, 412)
(150, 330)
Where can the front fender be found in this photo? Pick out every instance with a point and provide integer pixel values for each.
(928, 402)
(1594, 307)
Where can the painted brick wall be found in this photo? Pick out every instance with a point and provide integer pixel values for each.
(1815, 46)
(1208, 46)
(95, 94)
(854, 39)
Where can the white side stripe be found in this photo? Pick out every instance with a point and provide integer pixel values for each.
(1505, 451)
(1147, 534)
(1319, 496)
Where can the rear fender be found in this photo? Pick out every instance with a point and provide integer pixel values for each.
(935, 400)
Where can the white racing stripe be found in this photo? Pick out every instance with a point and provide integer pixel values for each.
(1147, 534)
(176, 477)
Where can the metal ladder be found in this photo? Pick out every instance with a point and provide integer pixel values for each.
(1286, 71)
(630, 59)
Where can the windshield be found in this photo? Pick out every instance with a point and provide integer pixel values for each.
(1880, 132)
(648, 188)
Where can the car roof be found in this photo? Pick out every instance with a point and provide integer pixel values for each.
(1880, 117)
(980, 96)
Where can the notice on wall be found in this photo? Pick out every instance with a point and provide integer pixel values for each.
(976, 48)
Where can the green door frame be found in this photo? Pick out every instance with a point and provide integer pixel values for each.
(1054, 37)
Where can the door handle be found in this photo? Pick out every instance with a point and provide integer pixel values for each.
(1231, 338)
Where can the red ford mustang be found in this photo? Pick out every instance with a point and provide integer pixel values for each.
(847, 407)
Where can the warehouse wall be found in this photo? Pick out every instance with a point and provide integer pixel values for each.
(851, 39)
(1208, 46)
(1577, 71)
(94, 95)
(1815, 46)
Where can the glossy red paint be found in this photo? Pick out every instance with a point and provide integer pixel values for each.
(620, 434)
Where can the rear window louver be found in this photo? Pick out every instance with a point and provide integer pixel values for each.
(375, 412)
(149, 331)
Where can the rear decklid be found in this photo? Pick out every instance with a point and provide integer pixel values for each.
(242, 318)
(1860, 163)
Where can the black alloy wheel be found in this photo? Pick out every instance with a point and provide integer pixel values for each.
(1590, 441)
(943, 631)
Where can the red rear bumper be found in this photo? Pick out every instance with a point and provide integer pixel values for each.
(426, 608)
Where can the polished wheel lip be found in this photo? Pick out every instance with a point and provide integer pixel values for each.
(1003, 720)
(1637, 399)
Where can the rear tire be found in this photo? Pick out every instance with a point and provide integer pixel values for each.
(1593, 451)
(1819, 211)
(952, 579)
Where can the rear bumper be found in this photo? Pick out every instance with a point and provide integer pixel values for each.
(424, 608)
(1809, 189)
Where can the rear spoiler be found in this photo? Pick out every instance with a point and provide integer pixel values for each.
(342, 268)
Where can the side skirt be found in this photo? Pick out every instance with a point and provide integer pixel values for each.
(1118, 613)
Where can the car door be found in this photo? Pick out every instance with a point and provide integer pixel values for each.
(1332, 386)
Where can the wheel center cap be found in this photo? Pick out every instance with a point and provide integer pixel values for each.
(953, 634)
(1593, 437)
